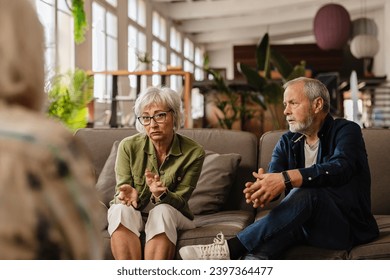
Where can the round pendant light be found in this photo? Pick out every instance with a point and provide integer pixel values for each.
(332, 27)
(364, 26)
(364, 46)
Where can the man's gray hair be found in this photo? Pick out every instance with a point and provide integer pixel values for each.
(313, 88)
(159, 96)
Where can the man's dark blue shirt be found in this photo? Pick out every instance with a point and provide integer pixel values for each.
(341, 168)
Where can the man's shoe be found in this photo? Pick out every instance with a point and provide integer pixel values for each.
(218, 250)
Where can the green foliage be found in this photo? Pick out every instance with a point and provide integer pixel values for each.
(79, 19)
(231, 103)
(271, 90)
(228, 103)
(69, 96)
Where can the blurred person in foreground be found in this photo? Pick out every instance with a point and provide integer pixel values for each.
(321, 166)
(156, 173)
(48, 206)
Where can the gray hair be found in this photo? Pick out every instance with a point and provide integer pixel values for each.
(313, 88)
(22, 55)
(162, 96)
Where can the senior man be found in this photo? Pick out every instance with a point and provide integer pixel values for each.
(321, 166)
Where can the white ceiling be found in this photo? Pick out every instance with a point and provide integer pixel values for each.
(217, 24)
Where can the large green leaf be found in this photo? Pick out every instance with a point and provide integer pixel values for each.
(219, 81)
(281, 63)
(298, 71)
(252, 76)
(263, 52)
(273, 93)
(256, 97)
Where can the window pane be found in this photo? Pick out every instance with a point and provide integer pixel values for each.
(199, 74)
(155, 55)
(98, 38)
(188, 66)
(46, 15)
(156, 24)
(159, 27)
(178, 41)
(142, 13)
(175, 60)
(137, 11)
(112, 54)
(173, 38)
(131, 50)
(112, 25)
(141, 42)
(112, 2)
(175, 42)
(198, 57)
(132, 9)
(99, 85)
(163, 57)
(99, 50)
(188, 49)
(61, 5)
(176, 83)
(162, 29)
(65, 42)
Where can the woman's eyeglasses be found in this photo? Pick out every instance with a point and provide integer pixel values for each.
(158, 118)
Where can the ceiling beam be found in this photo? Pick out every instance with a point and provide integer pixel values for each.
(255, 32)
(261, 18)
(210, 9)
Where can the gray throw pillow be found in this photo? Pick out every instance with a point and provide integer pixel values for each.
(106, 182)
(215, 181)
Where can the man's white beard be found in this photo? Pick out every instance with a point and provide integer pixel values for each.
(301, 127)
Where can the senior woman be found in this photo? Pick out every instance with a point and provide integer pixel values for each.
(156, 172)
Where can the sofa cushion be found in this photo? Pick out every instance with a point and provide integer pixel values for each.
(214, 184)
(106, 181)
(305, 252)
(378, 249)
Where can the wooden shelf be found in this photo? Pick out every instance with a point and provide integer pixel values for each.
(187, 79)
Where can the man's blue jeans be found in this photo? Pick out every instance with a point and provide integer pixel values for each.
(304, 216)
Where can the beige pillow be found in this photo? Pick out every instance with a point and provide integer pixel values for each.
(215, 181)
(106, 182)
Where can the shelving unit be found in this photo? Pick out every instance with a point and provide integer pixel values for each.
(187, 87)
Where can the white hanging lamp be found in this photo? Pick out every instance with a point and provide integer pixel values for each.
(364, 46)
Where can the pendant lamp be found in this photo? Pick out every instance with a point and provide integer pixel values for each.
(364, 26)
(332, 27)
(364, 46)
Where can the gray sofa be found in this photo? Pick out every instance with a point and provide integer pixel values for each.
(218, 200)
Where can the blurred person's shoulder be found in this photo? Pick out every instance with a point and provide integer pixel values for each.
(26, 133)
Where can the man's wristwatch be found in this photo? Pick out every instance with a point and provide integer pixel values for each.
(287, 180)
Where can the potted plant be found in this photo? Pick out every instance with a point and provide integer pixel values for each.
(69, 96)
(271, 90)
(144, 61)
(230, 100)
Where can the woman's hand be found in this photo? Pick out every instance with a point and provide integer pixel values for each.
(156, 187)
(128, 195)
